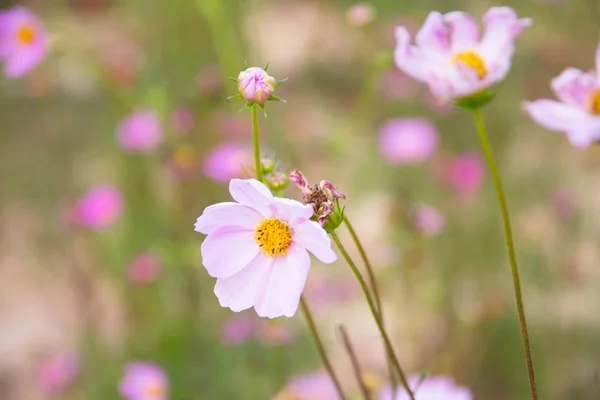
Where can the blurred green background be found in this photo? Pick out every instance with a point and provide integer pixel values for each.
(449, 298)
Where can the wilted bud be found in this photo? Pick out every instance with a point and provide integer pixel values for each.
(255, 85)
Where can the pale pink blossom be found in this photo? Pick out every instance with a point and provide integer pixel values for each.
(313, 386)
(360, 14)
(23, 41)
(257, 249)
(452, 58)
(99, 208)
(228, 160)
(429, 388)
(144, 381)
(408, 141)
(144, 268)
(577, 114)
(57, 373)
(140, 131)
(255, 85)
(428, 220)
(182, 120)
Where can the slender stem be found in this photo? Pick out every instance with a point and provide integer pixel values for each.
(386, 339)
(256, 144)
(487, 149)
(374, 288)
(313, 330)
(355, 364)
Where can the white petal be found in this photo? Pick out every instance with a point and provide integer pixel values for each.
(464, 31)
(433, 35)
(285, 284)
(251, 193)
(227, 250)
(412, 60)
(313, 238)
(240, 291)
(227, 214)
(291, 211)
(558, 116)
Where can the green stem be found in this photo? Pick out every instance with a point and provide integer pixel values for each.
(374, 288)
(487, 149)
(372, 306)
(313, 330)
(256, 144)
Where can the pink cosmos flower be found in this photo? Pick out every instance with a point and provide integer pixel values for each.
(452, 59)
(23, 41)
(226, 161)
(329, 291)
(257, 249)
(255, 85)
(429, 388)
(99, 207)
(144, 381)
(140, 131)
(578, 112)
(360, 14)
(57, 373)
(313, 386)
(428, 220)
(144, 268)
(237, 329)
(466, 174)
(182, 120)
(408, 141)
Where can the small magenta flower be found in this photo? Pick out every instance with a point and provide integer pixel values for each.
(23, 41)
(99, 208)
(466, 174)
(182, 120)
(452, 59)
(408, 141)
(228, 160)
(57, 373)
(322, 197)
(577, 114)
(429, 388)
(428, 220)
(256, 85)
(140, 131)
(360, 14)
(271, 236)
(144, 381)
(144, 268)
(313, 386)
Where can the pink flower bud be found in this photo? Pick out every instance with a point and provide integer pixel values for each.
(255, 85)
(144, 268)
(360, 14)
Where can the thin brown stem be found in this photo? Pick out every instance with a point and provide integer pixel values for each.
(355, 364)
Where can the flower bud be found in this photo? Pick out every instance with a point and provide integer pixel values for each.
(268, 165)
(255, 85)
(277, 181)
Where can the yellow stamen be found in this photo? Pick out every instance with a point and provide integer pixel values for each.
(595, 103)
(273, 237)
(473, 60)
(155, 391)
(25, 34)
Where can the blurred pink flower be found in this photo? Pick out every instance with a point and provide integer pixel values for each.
(182, 120)
(313, 386)
(428, 220)
(271, 236)
(239, 328)
(466, 174)
(577, 114)
(140, 131)
(327, 291)
(276, 333)
(451, 57)
(396, 85)
(144, 381)
(23, 41)
(429, 388)
(144, 268)
(99, 207)
(209, 80)
(360, 14)
(228, 160)
(564, 202)
(408, 141)
(57, 373)
(255, 85)
(183, 162)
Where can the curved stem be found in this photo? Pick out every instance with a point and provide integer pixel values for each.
(386, 339)
(487, 149)
(313, 330)
(256, 144)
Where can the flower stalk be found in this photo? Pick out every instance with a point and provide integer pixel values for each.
(257, 166)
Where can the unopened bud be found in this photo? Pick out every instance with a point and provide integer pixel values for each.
(255, 85)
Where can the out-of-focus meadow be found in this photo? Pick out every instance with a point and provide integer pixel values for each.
(100, 265)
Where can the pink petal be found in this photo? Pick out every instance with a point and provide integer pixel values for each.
(313, 238)
(291, 211)
(240, 291)
(251, 193)
(598, 62)
(464, 31)
(227, 250)
(574, 87)
(227, 214)
(433, 35)
(501, 28)
(23, 61)
(410, 59)
(284, 284)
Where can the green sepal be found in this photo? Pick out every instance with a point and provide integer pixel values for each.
(273, 98)
(232, 79)
(280, 82)
(235, 96)
(335, 219)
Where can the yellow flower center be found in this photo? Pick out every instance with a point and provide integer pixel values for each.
(155, 390)
(595, 103)
(273, 237)
(25, 34)
(473, 60)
